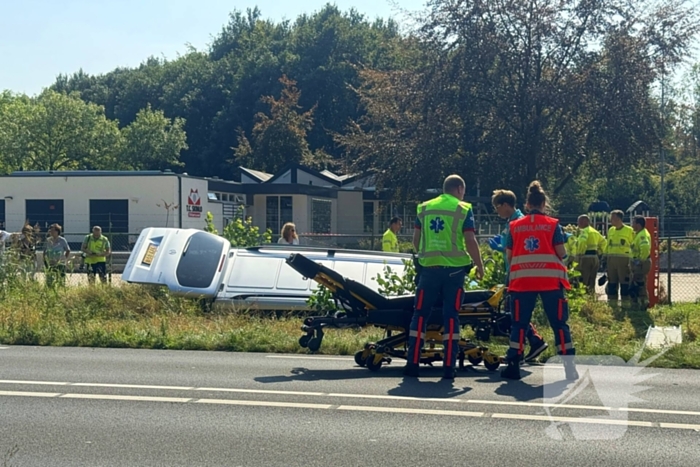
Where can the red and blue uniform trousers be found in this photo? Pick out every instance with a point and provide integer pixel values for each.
(531, 334)
(435, 283)
(556, 308)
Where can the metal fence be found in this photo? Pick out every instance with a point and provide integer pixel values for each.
(679, 260)
(75, 268)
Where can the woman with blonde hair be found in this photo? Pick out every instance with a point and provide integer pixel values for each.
(289, 234)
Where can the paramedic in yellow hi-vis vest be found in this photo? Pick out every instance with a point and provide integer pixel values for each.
(444, 237)
(617, 256)
(590, 244)
(641, 262)
(96, 248)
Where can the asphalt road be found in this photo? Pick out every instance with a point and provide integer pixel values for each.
(95, 407)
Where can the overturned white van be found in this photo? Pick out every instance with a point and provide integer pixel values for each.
(198, 264)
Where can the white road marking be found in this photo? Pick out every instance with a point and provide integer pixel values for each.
(360, 396)
(293, 405)
(125, 398)
(4, 348)
(460, 413)
(357, 408)
(597, 421)
(304, 357)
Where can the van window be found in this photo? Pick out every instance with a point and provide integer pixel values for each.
(200, 261)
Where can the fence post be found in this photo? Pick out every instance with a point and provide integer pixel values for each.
(668, 271)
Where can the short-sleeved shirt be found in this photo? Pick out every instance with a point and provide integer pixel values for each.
(4, 237)
(558, 239)
(468, 225)
(56, 249)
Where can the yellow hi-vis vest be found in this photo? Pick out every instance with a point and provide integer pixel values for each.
(96, 245)
(641, 246)
(620, 242)
(590, 240)
(442, 239)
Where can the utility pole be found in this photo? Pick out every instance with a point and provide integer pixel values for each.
(662, 215)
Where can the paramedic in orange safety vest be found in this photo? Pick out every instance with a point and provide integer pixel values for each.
(445, 239)
(535, 253)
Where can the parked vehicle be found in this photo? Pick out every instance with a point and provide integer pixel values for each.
(198, 264)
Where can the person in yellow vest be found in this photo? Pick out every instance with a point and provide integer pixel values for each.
(96, 248)
(444, 237)
(618, 253)
(390, 241)
(641, 262)
(589, 246)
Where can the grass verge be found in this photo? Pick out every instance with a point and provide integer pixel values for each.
(133, 316)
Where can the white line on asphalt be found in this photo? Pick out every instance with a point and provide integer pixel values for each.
(359, 396)
(4, 348)
(357, 408)
(293, 405)
(597, 421)
(125, 398)
(303, 357)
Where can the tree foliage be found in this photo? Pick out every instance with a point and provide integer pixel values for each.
(500, 91)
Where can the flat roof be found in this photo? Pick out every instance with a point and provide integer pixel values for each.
(91, 173)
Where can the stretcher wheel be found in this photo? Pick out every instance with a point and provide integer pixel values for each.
(371, 365)
(475, 361)
(360, 359)
(492, 366)
(304, 340)
(315, 343)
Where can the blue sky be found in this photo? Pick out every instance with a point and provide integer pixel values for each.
(40, 39)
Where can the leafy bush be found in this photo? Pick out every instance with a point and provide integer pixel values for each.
(241, 233)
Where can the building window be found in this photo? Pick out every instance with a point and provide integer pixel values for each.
(368, 216)
(44, 212)
(321, 216)
(278, 211)
(110, 214)
(2, 214)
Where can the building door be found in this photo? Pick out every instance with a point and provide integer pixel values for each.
(2, 214)
(110, 214)
(44, 212)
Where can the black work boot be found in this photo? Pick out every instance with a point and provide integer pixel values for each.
(410, 370)
(512, 371)
(448, 372)
(536, 349)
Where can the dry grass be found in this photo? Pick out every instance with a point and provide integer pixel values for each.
(143, 317)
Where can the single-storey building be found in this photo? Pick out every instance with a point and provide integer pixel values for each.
(120, 202)
(125, 202)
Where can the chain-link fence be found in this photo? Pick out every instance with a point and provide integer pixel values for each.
(679, 260)
(679, 269)
(76, 271)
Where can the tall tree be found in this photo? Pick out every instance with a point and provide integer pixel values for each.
(153, 142)
(280, 137)
(534, 89)
(56, 131)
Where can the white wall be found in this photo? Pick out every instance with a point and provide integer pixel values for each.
(153, 200)
(143, 193)
(350, 212)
